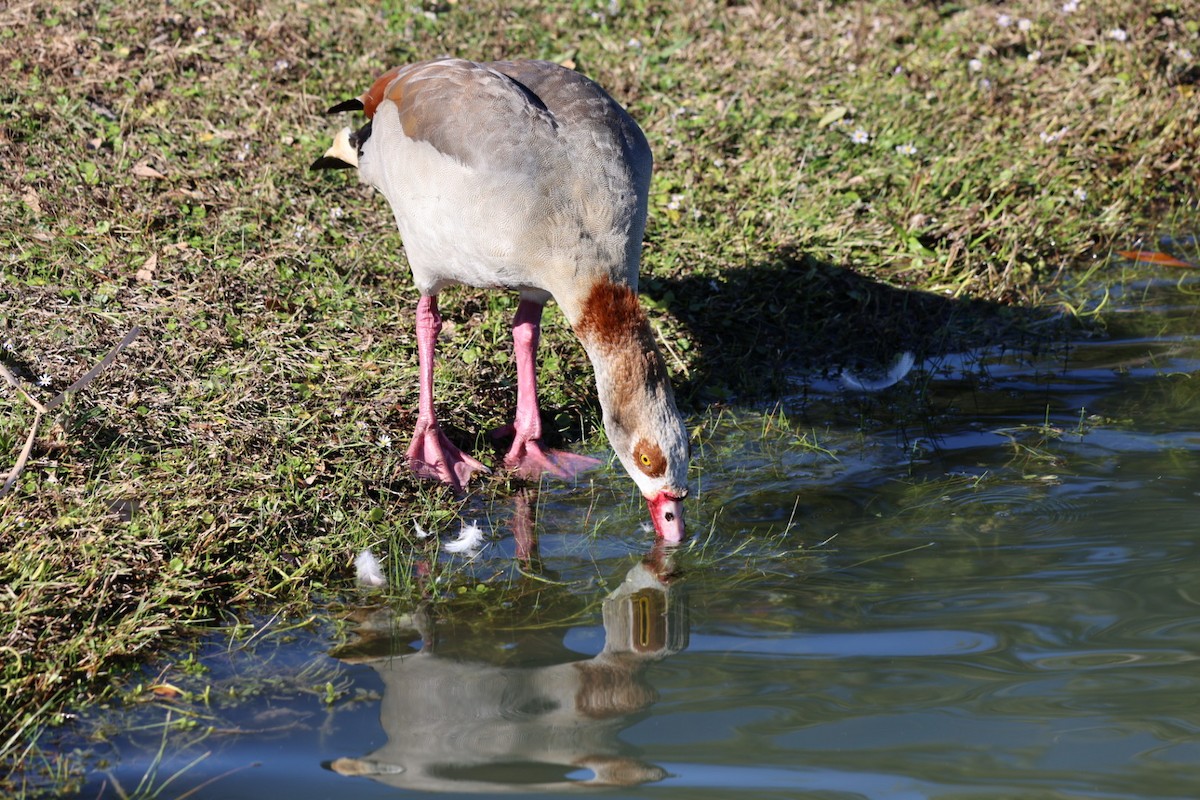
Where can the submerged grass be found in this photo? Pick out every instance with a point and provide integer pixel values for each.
(834, 182)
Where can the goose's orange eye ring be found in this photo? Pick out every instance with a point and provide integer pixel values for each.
(650, 459)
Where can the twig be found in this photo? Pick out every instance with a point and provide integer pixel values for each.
(8, 376)
(15, 472)
(41, 410)
(91, 374)
(680, 363)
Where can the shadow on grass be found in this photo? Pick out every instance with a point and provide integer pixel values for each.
(759, 330)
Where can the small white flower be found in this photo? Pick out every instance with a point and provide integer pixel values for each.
(907, 149)
(339, 411)
(1024, 25)
(1036, 55)
(200, 31)
(385, 441)
(281, 65)
(336, 212)
(975, 65)
(860, 136)
(43, 380)
(676, 202)
(1070, 7)
(1080, 193)
(985, 84)
(634, 44)
(1004, 20)
(1118, 35)
(469, 541)
(9, 346)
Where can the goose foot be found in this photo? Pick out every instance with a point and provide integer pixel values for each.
(530, 459)
(432, 455)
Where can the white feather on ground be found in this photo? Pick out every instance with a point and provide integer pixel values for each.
(898, 371)
(420, 532)
(370, 573)
(470, 540)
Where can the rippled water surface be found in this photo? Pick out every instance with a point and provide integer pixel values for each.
(984, 582)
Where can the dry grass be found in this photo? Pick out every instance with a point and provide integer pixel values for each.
(916, 175)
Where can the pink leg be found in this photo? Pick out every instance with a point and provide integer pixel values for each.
(527, 457)
(431, 454)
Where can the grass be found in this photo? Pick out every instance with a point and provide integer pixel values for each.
(922, 176)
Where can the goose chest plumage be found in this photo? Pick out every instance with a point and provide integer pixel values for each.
(526, 176)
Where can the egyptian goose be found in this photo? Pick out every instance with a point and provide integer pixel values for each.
(526, 175)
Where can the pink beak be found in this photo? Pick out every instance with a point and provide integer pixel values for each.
(666, 511)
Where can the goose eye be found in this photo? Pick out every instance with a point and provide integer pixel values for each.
(650, 459)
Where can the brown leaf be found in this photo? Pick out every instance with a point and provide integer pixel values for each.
(144, 170)
(32, 202)
(146, 273)
(1154, 257)
(273, 303)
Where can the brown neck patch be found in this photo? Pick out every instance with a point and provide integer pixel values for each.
(611, 315)
(614, 325)
(610, 312)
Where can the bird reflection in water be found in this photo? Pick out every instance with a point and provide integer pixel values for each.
(478, 714)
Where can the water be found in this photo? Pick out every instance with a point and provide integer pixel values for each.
(984, 582)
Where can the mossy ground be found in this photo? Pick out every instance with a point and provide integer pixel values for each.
(834, 181)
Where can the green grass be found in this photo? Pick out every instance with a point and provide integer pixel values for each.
(820, 169)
